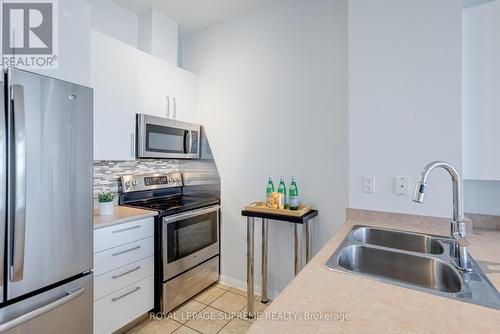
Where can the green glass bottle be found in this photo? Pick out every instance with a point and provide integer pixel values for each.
(293, 195)
(270, 187)
(282, 192)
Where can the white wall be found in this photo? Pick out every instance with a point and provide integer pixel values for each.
(404, 99)
(481, 101)
(482, 197)
(481, 112)
(158, 35)
(165, 37)
(74, 39)
(114, 20)
(273, 98)
(145, 31)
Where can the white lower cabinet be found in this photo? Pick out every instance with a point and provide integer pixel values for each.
(117, 257)
(110, 237)
(123, 274)
(121, 307)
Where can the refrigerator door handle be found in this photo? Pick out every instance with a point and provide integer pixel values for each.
(70, 296)
(19, 186)
(3, 190)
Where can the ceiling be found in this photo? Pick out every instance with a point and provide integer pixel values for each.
(194, 15)
(472, 3)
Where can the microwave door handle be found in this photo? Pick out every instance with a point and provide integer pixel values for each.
(184, 141)
(19, 186)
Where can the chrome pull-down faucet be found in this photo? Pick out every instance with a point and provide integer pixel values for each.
(457, 231)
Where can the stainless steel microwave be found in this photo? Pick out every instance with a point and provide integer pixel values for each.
(159, 137)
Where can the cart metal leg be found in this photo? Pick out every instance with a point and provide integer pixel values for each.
(298, 251)
(309, 240)
(250, 263)
(265, 225)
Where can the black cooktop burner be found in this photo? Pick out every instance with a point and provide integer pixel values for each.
(174, 204)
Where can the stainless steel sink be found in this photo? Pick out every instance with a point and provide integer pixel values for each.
(412, 260)
(421, 271)
(413, 242)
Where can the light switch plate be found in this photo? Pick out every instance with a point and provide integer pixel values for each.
(369, 184)
(402, 185)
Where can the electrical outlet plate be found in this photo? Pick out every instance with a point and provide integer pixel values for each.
(402, 185)
(369, 184)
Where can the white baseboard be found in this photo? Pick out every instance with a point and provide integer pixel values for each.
(242, 285)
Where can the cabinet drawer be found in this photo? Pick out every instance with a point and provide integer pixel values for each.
(120, 256)
(122, 277)
(116, 235)
(123, 306)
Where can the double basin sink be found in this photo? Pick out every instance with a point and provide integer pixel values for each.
(412, 260)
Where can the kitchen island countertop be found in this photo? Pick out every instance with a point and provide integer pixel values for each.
(375, 307)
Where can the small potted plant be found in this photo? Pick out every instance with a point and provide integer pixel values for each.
(105, 203)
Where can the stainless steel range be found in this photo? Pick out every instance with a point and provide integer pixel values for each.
(187, 234)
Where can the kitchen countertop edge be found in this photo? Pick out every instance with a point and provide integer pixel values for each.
(121, 215)
(376, 306)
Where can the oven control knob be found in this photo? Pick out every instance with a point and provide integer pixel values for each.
(127, 184)
(134, 183)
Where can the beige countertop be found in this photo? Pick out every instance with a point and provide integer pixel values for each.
(121, 214)
(376, 307)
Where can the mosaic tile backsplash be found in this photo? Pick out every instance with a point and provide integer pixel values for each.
(106, 173)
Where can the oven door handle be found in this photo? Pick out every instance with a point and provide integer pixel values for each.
(175, 218)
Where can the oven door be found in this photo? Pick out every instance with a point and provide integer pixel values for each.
(189, 239)
(165, 138)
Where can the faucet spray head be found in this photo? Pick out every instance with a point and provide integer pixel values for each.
(418, 195)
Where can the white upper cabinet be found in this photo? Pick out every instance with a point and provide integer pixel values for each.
(127, 82)
(185, 95)
(155, 85)
(113, 76)
(165, 90)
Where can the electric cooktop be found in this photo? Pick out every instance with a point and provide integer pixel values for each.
(174, 204)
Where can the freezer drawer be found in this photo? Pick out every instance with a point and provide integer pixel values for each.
(65, 309)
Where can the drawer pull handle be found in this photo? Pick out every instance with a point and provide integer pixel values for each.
(127, 229)
(137, 288)
(126, 251)
(126, 273)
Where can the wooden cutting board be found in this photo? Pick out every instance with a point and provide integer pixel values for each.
(261, 207)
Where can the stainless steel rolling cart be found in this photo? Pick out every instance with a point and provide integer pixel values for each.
(306, 220)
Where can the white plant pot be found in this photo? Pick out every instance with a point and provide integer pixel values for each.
(106, 208)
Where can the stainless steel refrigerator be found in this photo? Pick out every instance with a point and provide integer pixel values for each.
(46, 205)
